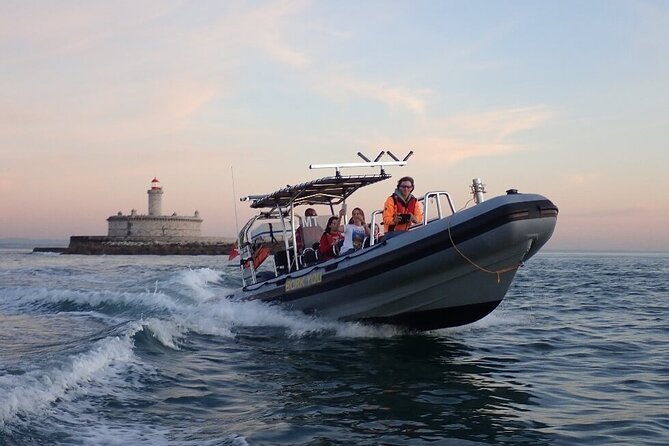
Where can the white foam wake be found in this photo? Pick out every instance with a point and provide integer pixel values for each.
(222, 316)
(199, 282)
(35, 391)
(22, 297)
(212, 314)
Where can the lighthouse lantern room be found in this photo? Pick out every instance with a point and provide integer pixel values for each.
(155, 198)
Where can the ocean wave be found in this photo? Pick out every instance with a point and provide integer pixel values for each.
(219, 316)
(20, 298)
(198, 284)
(165, 333)
(224, 316)
(32, 393)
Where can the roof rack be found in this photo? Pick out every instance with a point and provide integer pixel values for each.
(331, 190)
(367, 163)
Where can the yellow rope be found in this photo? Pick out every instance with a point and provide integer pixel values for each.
(498, 272)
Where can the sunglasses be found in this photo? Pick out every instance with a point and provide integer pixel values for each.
(405, 187)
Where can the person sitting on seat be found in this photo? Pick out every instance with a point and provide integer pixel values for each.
(329, 245)
(402, 209)
(307, 235)
(355, 232)
(310, 212)
(374, 235)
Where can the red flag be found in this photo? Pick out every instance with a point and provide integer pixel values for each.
(233, 252)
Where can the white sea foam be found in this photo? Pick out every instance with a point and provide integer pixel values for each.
(167, 332)
(494, 319)
(501, 317)
(239, 441)
(199, 281)
(85, 425)
(96, 431)
(221, 316)
(29, 296)
(218, 316)
(35, 391)
(45, 254)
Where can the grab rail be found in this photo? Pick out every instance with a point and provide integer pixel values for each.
(432, 195)
(372, 226)
(436, 196)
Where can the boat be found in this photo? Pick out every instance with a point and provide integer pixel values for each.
(451, 269)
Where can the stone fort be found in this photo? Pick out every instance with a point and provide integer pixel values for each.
(153, 233)
(154, 224)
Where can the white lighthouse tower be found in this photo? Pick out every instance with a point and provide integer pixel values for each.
(155, 198)
(155, 225)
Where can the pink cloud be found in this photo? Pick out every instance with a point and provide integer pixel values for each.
(499, 123)
(454, 139)
(269, 24)
(56, 29)
(413, 100)
(122, 113)
(265, 27)
(579, 179)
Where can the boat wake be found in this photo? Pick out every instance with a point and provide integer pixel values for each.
(95, 351)
(108, 360)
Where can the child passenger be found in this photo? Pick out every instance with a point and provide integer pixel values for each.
(330, 240)
(355, 232)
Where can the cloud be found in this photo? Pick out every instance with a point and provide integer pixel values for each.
(488, 133)
(55, 30)
(500, 123)
(579, 179)
(166, 109)
(269, 29)
(265, 28)
(637, 212)
(181, 100)
(393, 96)
(283, 52)
(270, 23)
(122, 113)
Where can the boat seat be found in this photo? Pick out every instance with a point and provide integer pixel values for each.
(262, 276)
(307, 235)
(309, 257)
(281, 262)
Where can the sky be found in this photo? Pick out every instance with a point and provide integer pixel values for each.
(219, 100)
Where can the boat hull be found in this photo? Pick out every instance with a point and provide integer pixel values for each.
(449, 272)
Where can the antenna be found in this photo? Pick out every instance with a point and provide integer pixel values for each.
(366, 163)
(234, 200)
(364, 157)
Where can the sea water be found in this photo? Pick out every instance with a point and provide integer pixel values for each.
(139, 350)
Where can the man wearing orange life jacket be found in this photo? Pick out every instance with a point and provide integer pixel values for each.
(402, 209)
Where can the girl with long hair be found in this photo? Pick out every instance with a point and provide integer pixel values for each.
(329, 244)
(355, 232)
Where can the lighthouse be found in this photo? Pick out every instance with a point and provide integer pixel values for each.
(155, 198)
(155, 225)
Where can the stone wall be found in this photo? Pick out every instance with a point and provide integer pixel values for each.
(148, 226)
(150, 245)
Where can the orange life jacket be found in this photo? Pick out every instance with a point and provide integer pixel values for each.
(259, 256)
(401, 208)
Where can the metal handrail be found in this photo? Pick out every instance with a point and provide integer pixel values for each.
(437, 197)
(372, 226)
(425, 201)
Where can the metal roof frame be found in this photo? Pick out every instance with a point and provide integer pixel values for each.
(330, 191)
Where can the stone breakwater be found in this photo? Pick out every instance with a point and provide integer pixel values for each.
(95, 245)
